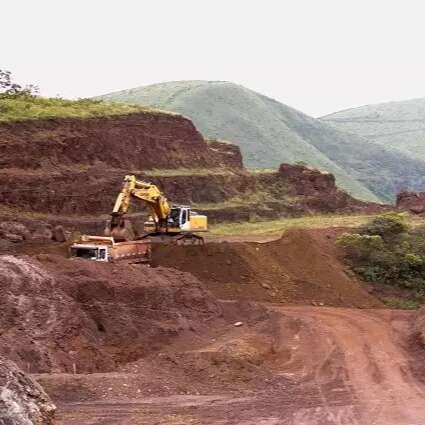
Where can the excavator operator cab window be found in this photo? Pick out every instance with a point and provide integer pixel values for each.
(102, 254)
(174, 215)
(184, 216)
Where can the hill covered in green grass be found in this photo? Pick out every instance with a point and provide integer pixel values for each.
(400, 125)
(269, 133)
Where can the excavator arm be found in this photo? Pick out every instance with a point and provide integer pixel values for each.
(146, 192)
(119, 226)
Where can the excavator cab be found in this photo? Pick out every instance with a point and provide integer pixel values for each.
(177, 221)
(179, 218)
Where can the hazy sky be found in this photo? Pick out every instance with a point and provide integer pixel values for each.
(318, 56)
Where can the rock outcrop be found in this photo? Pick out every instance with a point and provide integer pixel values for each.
(22, 401)
(411, 201)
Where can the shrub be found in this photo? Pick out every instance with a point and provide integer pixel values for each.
(10, 89)
(389, 226)
(386, 251)
(360, 247)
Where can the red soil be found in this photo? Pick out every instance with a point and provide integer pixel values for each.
(164, 350)
(302, 267)
(58, 313)
(139, 141)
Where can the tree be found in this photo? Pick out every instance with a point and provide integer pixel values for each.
(8, 88)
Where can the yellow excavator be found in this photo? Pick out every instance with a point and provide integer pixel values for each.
(166, 222)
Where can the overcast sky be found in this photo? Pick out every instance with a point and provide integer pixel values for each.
(318, 56)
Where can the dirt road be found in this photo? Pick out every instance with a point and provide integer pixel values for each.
(376, 364)
(343, 366)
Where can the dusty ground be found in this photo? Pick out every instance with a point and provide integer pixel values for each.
(331, 366)
(159, 346)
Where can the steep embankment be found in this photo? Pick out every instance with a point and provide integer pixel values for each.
(270, 132)
(62, 315)
(74, 168)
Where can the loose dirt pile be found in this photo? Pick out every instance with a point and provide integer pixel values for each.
(64, 315)
(301, 268)
(22, 401)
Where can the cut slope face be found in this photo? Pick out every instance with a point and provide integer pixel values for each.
(270, 132)
(400, 125)
(137, 141)
(61, 314)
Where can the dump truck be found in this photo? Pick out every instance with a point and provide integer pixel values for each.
(106, 249)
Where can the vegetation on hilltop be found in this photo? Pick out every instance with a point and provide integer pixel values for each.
(21, 103)
(25, 108)
(269, 133)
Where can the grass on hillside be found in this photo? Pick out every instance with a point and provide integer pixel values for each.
(271, 227)
(246, 200)
(175, 172)
(23, 108)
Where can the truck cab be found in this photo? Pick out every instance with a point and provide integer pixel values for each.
(90, 252)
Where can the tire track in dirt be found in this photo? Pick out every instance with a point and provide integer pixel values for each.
(375, 362)
(347, 367)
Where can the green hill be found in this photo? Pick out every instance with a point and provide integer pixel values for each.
(400, 125)
(269, 132)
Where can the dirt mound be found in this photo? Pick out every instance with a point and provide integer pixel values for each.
(22, 401)
(301, 267)
(64, 315)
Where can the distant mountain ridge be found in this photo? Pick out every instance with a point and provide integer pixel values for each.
(400, 125)
(269, 133)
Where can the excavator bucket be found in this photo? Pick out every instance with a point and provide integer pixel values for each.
(120, 228)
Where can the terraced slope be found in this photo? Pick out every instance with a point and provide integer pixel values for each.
(231, 112)
(269, 132)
